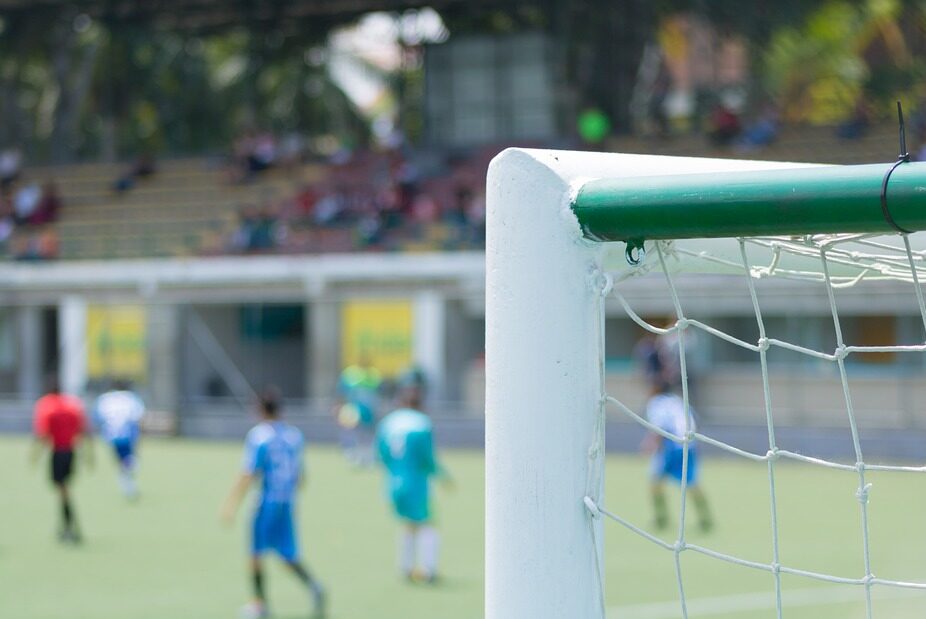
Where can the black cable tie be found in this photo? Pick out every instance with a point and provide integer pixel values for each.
(904, 157)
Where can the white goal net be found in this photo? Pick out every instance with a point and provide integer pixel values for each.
(882, 263)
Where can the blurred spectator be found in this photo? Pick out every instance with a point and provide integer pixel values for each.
(258, 230)
(330, 207)
(370, 229)
(920, 153)
(304, 202)
(424, 209)
(143, 167)
(48, 206)
(7, 221)
(457, 215)
(724, 125)
(291, 149)
(763, 131)
(42, 245)
(253, 153)
(656, 107)
(476, 216)
(856, 126)
(26, 201)
(10, 166)
(247, 224)
(6, 202)
(264, 154)
(267, 232)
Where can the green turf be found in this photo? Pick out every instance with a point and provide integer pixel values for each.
(167, 556)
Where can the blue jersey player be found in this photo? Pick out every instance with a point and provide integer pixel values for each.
(117, 415)
(272, 454)
(666, 410)
(406, 449)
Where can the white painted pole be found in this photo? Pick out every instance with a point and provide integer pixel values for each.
(542, 396)
(72, 344)
(430, 337)
(31, 339)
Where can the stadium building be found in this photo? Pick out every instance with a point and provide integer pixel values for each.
(142, 285)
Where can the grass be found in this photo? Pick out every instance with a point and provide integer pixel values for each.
(167, 556)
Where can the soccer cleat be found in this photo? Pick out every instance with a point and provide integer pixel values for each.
(70, 536)
(319, 601)
(430, 579)
(254, 610)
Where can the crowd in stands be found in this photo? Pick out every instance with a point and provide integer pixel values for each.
(26, 207)
(381, 200)
(141, 168)
(392, 199)
(256, 151)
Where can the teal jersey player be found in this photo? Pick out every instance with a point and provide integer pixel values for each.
(406, 449)
(359, 386)
(356, 410)
(405, 444)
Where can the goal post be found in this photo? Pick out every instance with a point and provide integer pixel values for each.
(548, 212)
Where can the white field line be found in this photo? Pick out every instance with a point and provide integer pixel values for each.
(760, 600)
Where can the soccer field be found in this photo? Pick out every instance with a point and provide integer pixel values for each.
(167, 556)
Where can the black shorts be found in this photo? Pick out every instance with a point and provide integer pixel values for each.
(62, 466)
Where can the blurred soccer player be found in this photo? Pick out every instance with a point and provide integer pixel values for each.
(118, 415)
(355, 409)
(273, 452)
(60, 425)
(666, 410)
(406, 448)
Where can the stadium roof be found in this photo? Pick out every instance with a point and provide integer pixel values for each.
(200, 15)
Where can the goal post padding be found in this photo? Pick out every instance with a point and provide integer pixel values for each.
(543, 327)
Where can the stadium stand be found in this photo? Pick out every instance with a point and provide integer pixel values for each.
(189, 207)
(378, 202)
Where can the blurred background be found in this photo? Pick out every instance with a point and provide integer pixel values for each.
(209, 196)
(205, 197)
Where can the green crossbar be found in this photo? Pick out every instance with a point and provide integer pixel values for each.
(796, 201)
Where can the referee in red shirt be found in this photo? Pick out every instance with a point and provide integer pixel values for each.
(60, 424)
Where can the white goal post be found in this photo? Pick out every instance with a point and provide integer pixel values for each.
(544, 355)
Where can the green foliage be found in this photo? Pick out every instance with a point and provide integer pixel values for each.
(844, 53)
(158, 91)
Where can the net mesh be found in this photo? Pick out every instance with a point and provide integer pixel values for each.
(837, 261)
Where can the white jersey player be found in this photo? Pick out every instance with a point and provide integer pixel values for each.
(666, 410)
(118, 414)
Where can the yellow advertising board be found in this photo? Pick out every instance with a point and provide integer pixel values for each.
(381, 331)
(116, 346)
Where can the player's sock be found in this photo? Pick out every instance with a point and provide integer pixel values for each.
(257, 583)
(67, 518)
(660, 510)
(318, 592)
(428, 550)
(704, 511)
(127, 483)
(407, 552)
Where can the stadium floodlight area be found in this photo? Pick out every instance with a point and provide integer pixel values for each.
(555, 220)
